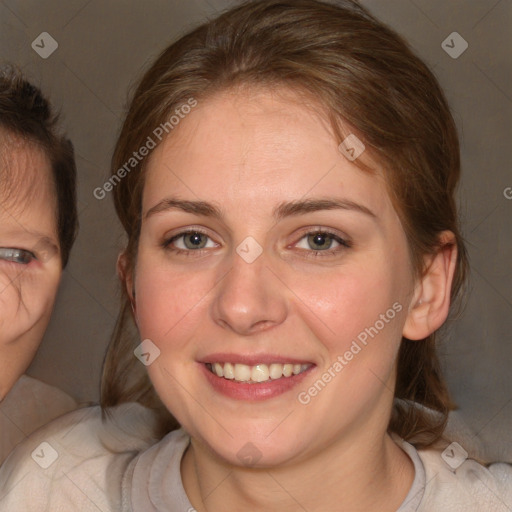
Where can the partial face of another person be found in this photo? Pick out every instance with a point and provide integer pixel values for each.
(30, 265)
(266, 252)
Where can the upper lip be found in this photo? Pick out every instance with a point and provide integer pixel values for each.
(251, 360)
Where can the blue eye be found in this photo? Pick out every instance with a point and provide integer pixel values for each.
(16, 255)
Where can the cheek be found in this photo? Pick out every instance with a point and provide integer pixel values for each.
(345, 302)
(27, 295)
(167, 300)
(359, 317)
(25, 310)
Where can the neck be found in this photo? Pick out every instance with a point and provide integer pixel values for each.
(371, 473)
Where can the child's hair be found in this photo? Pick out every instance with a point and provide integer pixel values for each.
(368, 82)
(26, 115)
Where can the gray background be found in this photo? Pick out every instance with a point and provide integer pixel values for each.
(104, 46)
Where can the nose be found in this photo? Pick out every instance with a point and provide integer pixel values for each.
(250, 298)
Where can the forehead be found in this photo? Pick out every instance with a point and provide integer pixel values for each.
(25, 171)
(255, 148)
(27, 193)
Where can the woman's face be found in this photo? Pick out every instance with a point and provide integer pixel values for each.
(30, 266)
(265, 252)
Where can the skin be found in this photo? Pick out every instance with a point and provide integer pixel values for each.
(28, 284)
(247, 152)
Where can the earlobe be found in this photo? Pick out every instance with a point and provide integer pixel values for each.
(430, 303)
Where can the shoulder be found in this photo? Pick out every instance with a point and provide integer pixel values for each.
(28, 406)
(76, 462)
(154, 476)
(40, 390)
(457, 483)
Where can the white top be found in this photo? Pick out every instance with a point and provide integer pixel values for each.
(30, 404)
(81, 463)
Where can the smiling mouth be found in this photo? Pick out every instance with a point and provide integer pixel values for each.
(257, 373)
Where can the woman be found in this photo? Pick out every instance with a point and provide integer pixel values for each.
(285, 176)
(38, 223)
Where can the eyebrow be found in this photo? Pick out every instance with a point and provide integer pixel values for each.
(283, 210)
(40, 239)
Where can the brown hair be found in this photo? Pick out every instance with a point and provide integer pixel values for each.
(26, 113)
(364, 76)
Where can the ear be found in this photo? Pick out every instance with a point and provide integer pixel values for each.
(430, 304)
(126, 277)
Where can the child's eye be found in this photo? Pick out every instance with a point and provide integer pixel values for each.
(321, 243)
(20, 256)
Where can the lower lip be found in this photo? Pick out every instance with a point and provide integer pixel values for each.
(256, 391)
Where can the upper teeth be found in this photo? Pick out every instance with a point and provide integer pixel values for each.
(257, 373)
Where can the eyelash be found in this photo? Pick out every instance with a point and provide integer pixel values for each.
(310, 253)
(9, 254)
(344, 244)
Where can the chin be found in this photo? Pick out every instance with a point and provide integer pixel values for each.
(252, 450)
